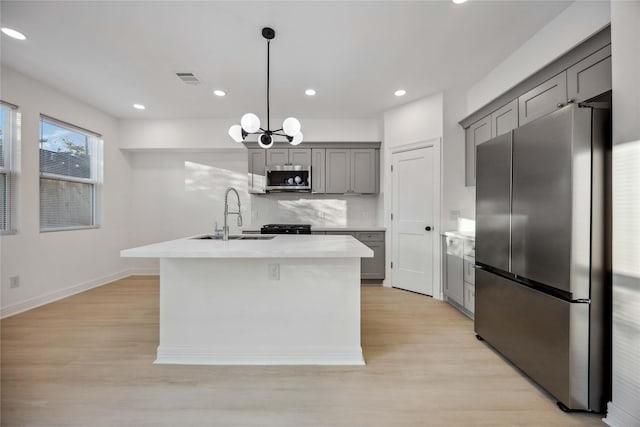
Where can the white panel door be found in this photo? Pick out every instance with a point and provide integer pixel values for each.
(413, 230)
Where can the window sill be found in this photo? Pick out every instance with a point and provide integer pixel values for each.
(52, 230)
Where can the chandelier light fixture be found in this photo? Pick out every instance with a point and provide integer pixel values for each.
(250, 123)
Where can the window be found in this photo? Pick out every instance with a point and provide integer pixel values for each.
(8, 136)
(68, 176)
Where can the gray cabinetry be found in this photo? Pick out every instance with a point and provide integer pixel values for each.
(370, 268)
(504, 119)
(351, 171)
(318, 170)
(256, 170)
(497, 123)
(543, 99)
(459, 274)
(590, 77)
(363, 170)
(337, 179)
(288, 156)
(476, 134)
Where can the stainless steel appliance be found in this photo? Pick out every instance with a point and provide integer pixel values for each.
(289, 178)
(542, 253)
(286, 229)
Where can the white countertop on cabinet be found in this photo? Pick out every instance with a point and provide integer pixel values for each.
(355, 228)
(281, 246)
(460, 234)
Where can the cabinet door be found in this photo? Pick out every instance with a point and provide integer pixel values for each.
(317, 170)
(543, 99)
(337, 178)
(363, 170)
(256, 170)
(590, 77)
(373, 268)
(454, 285)
(469, 275)
(476, 134)
(300, 156)
(277, 156)
(504, 119)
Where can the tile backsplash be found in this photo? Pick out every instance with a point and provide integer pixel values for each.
(317, 209)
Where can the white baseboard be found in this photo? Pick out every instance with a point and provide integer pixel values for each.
(260, 356)
(50, 297)
(618, 417)
(144, 271)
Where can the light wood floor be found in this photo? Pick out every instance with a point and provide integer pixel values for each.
(87, 361)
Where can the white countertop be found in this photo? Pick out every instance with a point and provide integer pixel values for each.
(281, 246)
(356, 228)
(460, 234)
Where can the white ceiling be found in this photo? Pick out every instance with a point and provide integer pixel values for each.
(355, 54)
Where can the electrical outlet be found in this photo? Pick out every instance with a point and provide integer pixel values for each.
(14, 282)
(274, 271)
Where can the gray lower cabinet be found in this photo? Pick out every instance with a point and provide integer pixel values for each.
(318, 170)
(370, 268)
(459, 274)
(590, 77)
(351, 170)
(543, 99)
(257, 170)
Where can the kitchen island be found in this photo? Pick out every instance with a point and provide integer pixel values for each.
(275, 300)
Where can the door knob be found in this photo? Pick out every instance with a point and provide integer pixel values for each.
(427, 228)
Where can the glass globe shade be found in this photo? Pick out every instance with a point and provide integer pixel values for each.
(235, 132)
(297, 139)
(265, 141)
(250, 123)
(291, 126)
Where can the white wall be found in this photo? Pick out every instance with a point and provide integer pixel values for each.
(205, 134)
(575, 24)
(421, 120)
(56, 264)
(625, 55)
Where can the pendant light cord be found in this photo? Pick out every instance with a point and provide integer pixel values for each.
(268, 68)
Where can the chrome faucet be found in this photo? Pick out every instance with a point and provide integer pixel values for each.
(225, 228)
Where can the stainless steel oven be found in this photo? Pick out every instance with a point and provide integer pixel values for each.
(289, 178)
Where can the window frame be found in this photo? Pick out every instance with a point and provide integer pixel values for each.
(94, 140)
(10, 140)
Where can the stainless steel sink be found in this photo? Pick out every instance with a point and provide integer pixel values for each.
(243, 237)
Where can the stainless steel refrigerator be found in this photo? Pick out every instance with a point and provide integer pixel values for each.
(542, 251)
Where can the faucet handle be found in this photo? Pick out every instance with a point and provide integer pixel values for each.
(217, 231)
(239, 220)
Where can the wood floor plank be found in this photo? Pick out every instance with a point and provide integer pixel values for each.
(87, 361)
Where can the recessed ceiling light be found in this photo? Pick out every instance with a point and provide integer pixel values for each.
(400, 92)
(219, 92)
(13, 33)
(310, 92)
(138, 106)
(459, 1)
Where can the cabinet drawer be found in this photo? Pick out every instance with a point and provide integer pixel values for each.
(469, 271)
(470, 248)
(469, 297)
(369, 236)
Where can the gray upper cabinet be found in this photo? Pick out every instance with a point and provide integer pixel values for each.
(477, 133)
(277, 156)
(288, 156)
(363, 171)
(543, 99)
(256, 170)
(590, 77)
(351, 171)
(337, 179)
(318, 170)
(300, 156)
(504, 119)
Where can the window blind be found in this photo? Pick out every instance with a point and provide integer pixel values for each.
(68, 175)
(7, 140)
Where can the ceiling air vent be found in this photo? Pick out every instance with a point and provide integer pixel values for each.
(188, 78)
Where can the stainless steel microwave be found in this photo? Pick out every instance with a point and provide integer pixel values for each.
(289, 178)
